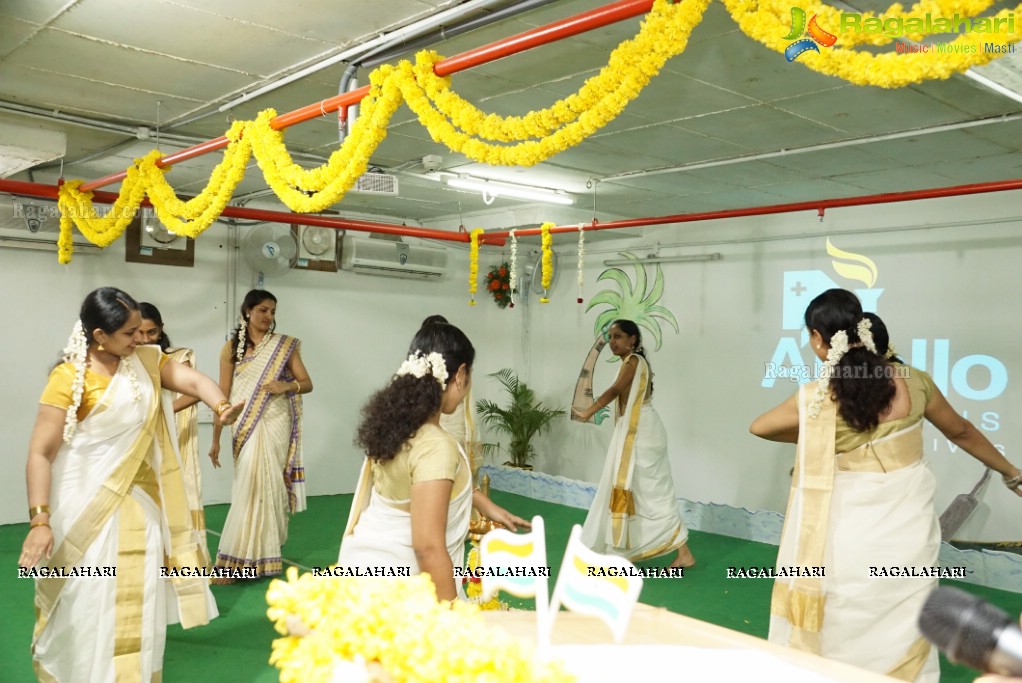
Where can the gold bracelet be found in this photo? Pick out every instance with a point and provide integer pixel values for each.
(33, 525)
(221, 407)
(298, 387)
(38, 510)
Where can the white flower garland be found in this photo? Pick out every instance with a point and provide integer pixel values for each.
(891, 353)
(864, 330)
(838, 348)
(513, 281)
(129, 370)
(76, 353)
(419, 365)
(242, 328)
(581, 258)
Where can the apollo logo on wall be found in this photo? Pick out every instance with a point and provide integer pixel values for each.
(974, 377)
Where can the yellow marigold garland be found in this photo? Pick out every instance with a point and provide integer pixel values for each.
(77, 207)
(633, 64)
(328, 622)
(473, 264)
(474, 586)
(546, 241)
(541, 134)
(663, 34)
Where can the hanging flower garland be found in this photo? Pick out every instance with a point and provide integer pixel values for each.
(540, 134)
(664, 34)
(581, 258)
(473, 264)
(546, 242)
(513, 278)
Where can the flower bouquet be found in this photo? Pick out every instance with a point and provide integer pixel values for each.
(498, 284)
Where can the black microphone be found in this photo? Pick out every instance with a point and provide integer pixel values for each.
(971, 631)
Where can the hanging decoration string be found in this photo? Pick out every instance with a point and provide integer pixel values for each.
(548, 260)
(473, 264)
(513, 278)
(515, 140)
(581, 258)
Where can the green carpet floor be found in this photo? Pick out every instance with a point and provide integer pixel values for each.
(236, 646)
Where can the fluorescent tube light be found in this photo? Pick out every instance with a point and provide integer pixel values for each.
(494, 189)
(687, 258)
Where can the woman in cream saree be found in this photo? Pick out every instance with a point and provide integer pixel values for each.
(184, 416)
(108, 506)
(266, 371)
(635, 511)
(414, 499)
(862, 498)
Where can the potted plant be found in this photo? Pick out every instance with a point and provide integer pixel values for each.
(522, 419)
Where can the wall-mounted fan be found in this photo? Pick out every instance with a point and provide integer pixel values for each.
(269, 249)
(319, 242)
(532, 277)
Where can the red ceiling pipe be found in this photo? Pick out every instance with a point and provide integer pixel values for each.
(819, 206)
(572, 26)
(587, 21)
(27, 189)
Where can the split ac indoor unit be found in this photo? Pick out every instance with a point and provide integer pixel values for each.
(370, 256)
(35, 224)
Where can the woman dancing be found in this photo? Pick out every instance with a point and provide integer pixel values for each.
(635, 512)
(107, 503)
(862, 496)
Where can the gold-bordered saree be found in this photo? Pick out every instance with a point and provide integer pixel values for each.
(118, 501)
(269, 480)
(847, 512)
(187, 422)
(635, 511)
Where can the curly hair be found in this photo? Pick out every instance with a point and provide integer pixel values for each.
(395, 413)
(252, 299)
(862, 383)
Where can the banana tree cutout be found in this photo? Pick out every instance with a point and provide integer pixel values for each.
(630, 302)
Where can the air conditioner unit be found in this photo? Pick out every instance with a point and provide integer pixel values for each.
(370, 256)
(376, 183)
(35, 224)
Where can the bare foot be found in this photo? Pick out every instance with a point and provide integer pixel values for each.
(685, 557)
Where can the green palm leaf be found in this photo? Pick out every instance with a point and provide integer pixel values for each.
(521, 420)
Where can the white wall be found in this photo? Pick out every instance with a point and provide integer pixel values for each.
(957, 282)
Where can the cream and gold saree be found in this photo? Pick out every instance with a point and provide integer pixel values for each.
(852, 513)
(635, 511)
(187, 423)
(118, 502)
(379, 529)
(269, 480)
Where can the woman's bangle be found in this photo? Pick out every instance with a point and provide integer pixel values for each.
(33, 525)
(1012, 482)
(221, 407)
(298, 387)
(38, 510)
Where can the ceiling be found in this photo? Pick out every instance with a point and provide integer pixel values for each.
(728, 124)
